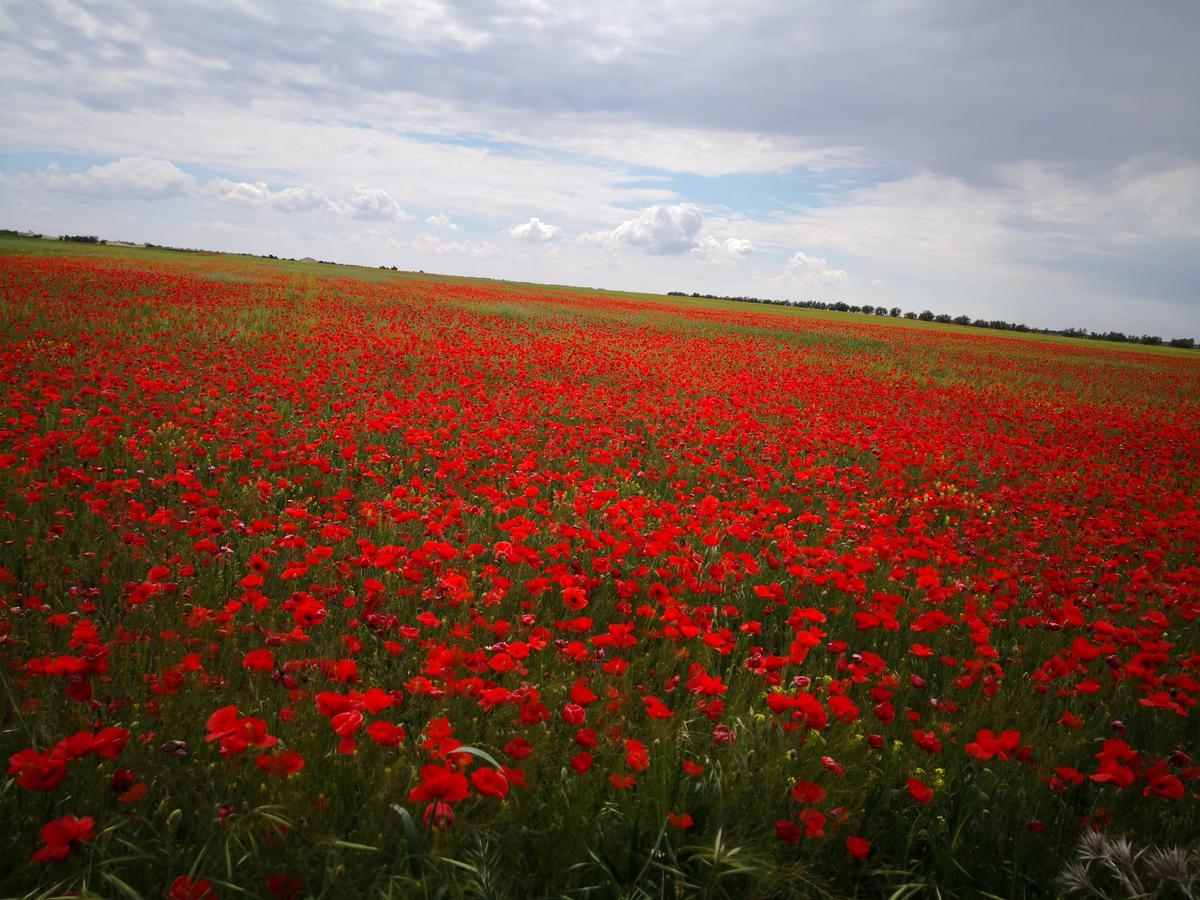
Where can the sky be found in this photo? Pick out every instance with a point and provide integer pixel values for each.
(1035, 162)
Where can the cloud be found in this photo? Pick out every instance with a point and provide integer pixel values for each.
(237, 229)
(129, 177)
(660, 230)
(366, 204)
(722, 251)
(375, 237)
(929, 85)
(950, 149)
(429, 243)
(441, 220)
(372, 205)
(22, 206)
(803, 270)
(535, 231)
(287, 200)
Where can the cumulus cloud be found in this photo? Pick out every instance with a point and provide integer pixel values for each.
(722, 251)
(137, 177)
(441, 220)
(661, 230)
(371, 204)
(803, 270)
(535, 231)
(288, 200)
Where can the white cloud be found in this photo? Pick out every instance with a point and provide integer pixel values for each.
(371, 204)
(429, 243)
(299, 199)
(235, 228)
(375, 237)
(441, 220)
(803, 270)
(535, 231)
(302, 198)
(22, 206)
(240, 193)
(722, 251)
(661, 230)
(367, 204)
(695, 151)
(137, 177)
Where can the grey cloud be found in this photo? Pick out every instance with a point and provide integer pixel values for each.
(938, 84)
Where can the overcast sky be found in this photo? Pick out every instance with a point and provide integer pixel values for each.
(1036, 162)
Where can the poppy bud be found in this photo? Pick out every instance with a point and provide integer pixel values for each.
(439, 814)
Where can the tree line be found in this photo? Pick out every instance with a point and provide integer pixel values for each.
(895, 312)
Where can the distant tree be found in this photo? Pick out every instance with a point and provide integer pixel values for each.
(926, 316)
(895, 312)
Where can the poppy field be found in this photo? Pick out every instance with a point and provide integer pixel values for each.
(343, 583)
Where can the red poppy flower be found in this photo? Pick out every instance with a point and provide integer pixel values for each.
(987, 744)
(788, 831)
(518, 748)
(920, 791)
(490, 782)
(386, 734)
(439, 783)
(184, 888)
(259, 661)
(807, 792)
(637, 757)
(60, 835)
(859, 847)
(581, 762)
(682, 821)
(282, 765)
(36, 770)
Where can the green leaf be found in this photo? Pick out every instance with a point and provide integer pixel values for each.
(350, 845)
(412, 839)
(121, 885)
(480, 754)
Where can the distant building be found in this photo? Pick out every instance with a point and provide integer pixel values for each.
(308, 259)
